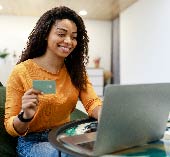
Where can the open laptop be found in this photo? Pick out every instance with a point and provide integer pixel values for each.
(132, 115)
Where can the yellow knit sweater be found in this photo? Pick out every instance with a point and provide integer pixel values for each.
(53, 109)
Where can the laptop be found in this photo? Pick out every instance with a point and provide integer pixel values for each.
(132, 115)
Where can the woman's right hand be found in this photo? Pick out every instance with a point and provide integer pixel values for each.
(30, 103)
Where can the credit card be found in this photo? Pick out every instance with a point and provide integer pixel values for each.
(45, 86)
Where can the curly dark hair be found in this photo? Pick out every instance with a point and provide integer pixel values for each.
(76, 62)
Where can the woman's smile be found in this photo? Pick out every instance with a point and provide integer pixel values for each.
(65, 49)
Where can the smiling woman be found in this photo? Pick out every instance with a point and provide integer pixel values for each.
(57, 50)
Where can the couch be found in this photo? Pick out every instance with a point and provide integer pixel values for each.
(7, 142)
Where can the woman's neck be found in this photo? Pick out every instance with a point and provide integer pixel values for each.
(51, 64)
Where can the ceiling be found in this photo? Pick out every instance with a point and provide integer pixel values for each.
(97, 9)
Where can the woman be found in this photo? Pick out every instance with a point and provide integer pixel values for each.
(57, 49)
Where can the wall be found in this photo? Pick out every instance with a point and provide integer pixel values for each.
(100, 41)
(14, 31)
(144, 42)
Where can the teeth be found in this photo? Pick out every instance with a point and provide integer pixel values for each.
(65, 48)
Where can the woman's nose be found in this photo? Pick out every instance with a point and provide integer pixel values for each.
(67, 39)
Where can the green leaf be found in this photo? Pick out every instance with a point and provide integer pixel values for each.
(4, 53)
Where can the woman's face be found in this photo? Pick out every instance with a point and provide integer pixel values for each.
(62, 38)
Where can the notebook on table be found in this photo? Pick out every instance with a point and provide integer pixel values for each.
(132, 115)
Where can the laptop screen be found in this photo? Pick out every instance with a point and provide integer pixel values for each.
(132, 115)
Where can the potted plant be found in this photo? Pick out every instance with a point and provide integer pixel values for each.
(4, 53)
(96, 62)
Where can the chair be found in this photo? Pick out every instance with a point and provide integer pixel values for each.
(1, 84)
(77, 114)
(7, 142)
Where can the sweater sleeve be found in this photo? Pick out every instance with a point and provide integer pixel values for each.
(89, 98)
(14, 93)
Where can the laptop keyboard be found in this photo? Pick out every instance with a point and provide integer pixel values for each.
(87, 145)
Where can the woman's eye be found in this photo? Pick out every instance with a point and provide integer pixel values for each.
(61, 35)
(75, 38)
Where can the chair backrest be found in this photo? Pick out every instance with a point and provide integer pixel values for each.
(7, 142)
(77, 114)
(1, 84)
(2, 107)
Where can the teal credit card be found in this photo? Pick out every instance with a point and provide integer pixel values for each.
(45, 86)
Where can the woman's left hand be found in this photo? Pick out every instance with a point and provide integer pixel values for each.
(97, 112)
